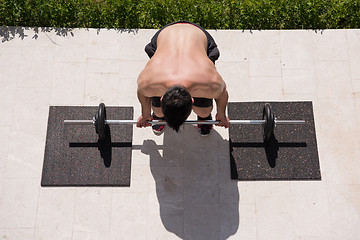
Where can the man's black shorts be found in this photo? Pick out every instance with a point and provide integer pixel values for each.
(212, 50)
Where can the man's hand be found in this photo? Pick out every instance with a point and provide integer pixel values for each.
(221, 103)
(143, 121)
(145, 110)
(224, 120)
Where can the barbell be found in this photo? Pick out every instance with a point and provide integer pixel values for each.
(268, 121)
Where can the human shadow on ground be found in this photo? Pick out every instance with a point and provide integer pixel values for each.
(196, 196)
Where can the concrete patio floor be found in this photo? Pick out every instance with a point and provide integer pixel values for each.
(180, 183)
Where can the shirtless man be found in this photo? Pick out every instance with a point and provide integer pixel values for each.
(181, 76)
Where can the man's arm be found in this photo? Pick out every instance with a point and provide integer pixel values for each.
(145, 110)
(221, 104)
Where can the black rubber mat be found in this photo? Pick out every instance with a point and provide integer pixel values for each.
(290, 155)
(75, 157)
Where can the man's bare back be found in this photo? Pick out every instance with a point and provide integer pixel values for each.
(180, 59)
(182, 54)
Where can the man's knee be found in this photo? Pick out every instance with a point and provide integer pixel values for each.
(156, 106)
(203, 111)
(157, 111)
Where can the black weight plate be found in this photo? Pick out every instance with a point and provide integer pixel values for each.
(96, 121)
(268, 116)
(100, 118)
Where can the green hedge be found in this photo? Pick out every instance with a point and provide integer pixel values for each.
(211, 14)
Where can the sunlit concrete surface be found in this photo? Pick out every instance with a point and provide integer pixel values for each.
(180, 183)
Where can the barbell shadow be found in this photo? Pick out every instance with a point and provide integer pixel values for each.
(271, 147)
(104, 147)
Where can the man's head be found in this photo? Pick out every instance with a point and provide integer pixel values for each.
(176, 106)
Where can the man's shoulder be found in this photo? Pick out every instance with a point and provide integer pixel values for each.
(149, 85)
(209, 86)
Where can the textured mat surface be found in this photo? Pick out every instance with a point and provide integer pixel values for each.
(73, 155)
(291, 155)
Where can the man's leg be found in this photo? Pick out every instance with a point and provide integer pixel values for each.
(157, 115)
(203, 107)
(157, 111)
(202, 112)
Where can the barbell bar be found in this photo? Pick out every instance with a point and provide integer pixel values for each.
(161, 122)
(268, 121)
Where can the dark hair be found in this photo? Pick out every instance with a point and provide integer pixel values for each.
(176, 106)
